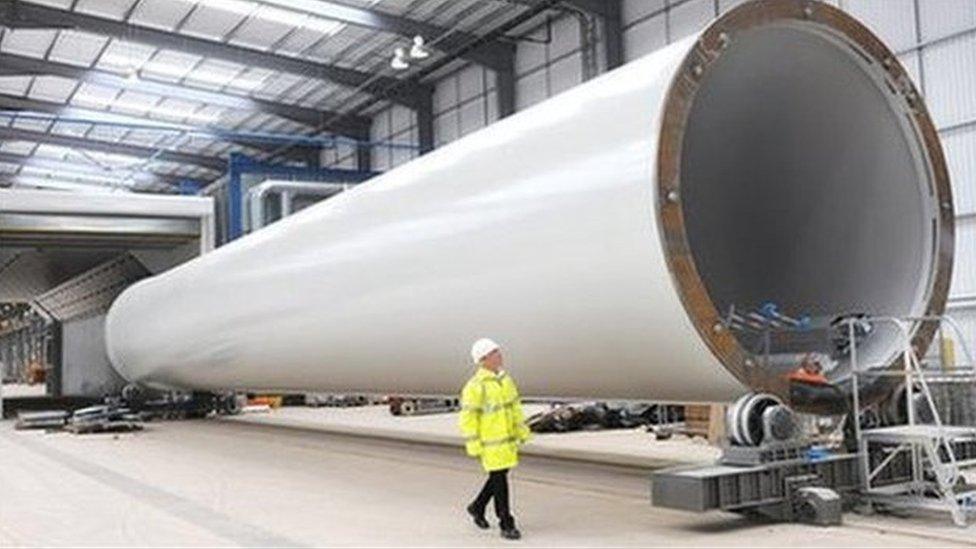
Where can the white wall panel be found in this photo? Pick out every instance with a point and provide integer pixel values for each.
(645, 37)
(394, 124)
(950, 78)
(960, 149)
(690, 17)
(471, 82)
(530, 55)
(565, 37)
(446, 127)
(892, 20)
(401, 118)
(531, 89)
(726, 5)
(943, 17)
(445, 94)
(381, 160)
(964, 271)
(491, 107)
(966, 320)
(912, 63)
(565, 73)
(472, 116)
(381, 126)
(346, 156)
(634, 10)
(400, 156)
(348, 163)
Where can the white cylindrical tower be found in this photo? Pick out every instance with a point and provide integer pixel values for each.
(780, 155)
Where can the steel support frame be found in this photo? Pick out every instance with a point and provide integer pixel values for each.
(505, 86)
(240, 164)
(147, 177)
(20, 134)
(425, 123)
(444, 39)
(611, 13)
(349, 126)
(16, 13)
(55, 352)
(304, 153)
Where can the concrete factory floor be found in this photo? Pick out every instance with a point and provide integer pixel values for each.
(223, 483)
(635, 448)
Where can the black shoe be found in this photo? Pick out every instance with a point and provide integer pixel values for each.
(511, 533)
(478, 518)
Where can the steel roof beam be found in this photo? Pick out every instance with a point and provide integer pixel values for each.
(10, 102)
(20, 134)
(16, 13)
(611, 13)
(17, 65)
(493, 54)
(142, 178)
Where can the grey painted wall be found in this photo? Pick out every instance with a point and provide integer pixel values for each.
(86, 369)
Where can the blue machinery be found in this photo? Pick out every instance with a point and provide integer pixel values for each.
(241, 164)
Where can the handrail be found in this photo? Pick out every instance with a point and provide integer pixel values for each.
(912, 369)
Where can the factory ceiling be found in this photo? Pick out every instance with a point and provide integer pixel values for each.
(140, 94)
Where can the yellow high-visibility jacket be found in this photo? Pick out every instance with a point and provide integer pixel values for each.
(491, 420)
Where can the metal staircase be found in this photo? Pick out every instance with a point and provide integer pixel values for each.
(917, 465)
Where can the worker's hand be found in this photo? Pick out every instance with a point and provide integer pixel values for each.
(473, 448)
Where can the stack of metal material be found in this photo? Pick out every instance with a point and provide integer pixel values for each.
(338, 400)
(48, 419)
(600, 415)
(104, 418)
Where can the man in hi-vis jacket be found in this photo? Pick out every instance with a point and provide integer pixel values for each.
(494, 427)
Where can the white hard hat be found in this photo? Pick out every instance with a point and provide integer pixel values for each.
(482, 348)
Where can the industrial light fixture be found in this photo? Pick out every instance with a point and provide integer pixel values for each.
(399, 61)
(419, 49)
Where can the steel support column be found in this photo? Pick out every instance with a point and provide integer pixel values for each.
(425, 123)
(179, 157)
(55, 351)
(364, 157)
(613, 33)
(611, 12)
(17, 65)
(506, 89)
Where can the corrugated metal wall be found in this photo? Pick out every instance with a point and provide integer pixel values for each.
(342, 156)
(935, 39)
(395, 124)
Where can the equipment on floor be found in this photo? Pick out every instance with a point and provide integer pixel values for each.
(904, 457)
(46, 419)
(107, 418)
(420, 406)
(563, 418)
(111, 417)
(128, 411)
(330, 400)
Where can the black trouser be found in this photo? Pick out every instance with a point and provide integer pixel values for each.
(496, 487)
